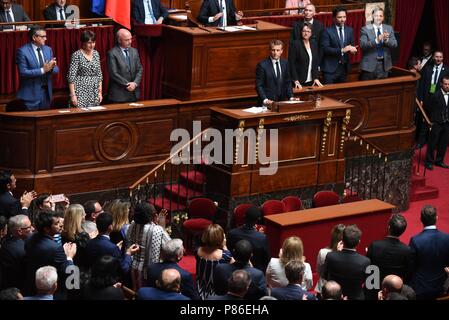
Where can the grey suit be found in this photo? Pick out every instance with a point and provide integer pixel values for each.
(18, 12)
(120, 74)
(370, 63)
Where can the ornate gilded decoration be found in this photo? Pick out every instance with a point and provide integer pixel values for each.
(327, 123)
(344, 129)
(238, 140)
(296, 118)
(259, 134)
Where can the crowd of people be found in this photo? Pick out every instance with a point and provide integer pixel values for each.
(115, 247)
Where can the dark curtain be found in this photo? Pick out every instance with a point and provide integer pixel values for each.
(441, 12)
(408, 16)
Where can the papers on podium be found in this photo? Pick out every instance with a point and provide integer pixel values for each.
(237, 28)
(256, 110)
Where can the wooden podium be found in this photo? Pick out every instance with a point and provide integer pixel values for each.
(310, 149)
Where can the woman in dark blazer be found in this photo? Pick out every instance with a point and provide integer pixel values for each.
(304, 60)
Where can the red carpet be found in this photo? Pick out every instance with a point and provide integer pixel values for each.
(439, 178)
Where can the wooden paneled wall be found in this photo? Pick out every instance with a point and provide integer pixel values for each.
(34, 8)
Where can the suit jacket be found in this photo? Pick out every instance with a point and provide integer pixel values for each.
(31, 79)
(267, 86)
(10, 206)
(42, 250)
(210, 8)
(12, 263)
(368, 44)
(298, 59)
(291, 292)
(223, 272)
(50, 12)
(347, 268)
(331, 49)
(426, 81)
(120, 74)
(261, 252)
(431, 255)
(150, 293)
(18, 12)
(188, 287)
(138, 10)
(102, 246)
(108, 293)
(439, 111)
(317, 31)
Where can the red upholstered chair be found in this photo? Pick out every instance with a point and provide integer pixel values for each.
(239, 214)
(350, 198)
(292, 203)
(272, 207)
(201, 212)
(325, 198)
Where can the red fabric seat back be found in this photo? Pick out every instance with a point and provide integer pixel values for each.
(239, 214)
(202, 208)
(325, 198)
(272, 207)
(292, 203)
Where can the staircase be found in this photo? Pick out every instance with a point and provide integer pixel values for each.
(420, 191)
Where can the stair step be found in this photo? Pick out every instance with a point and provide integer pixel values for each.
(418, 181)
(424, 193)
(180, 192)
(194, 177)
(165, 204)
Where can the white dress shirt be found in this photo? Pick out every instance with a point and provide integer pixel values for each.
(376, 30)
(36, 54)
(222, 4)
(445, 95)
(149, 19)
(58, 17)
(309, 70)
(438, 70)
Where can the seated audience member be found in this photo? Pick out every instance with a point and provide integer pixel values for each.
(212, 253)
(104, 282)
(171, 254)
(103, 246)
(300, 4)
(10, 294)
(347, 267)
(390, 284)
(90, 228)
(331, 291)
(219, 14)
(259, 240)
(125, 70)
(408, 292)
(41, 250)
(242, 253)
(294, 271)
(390, 254)
(10, 206)
(148, 11)
(336, 244)
(42, 202)
(12, 252)
(57, 11)
(292, 249)
(11, 12)
(168, 288)
(46, 284)
(431, 255)
(304, 60)
(93, 209)
(147, 234)
(238, 285)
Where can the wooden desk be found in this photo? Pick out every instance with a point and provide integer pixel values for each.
(314, 226)
(210, 63)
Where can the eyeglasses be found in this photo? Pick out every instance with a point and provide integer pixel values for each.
(26, 228)
(306, 31)
(38, 35)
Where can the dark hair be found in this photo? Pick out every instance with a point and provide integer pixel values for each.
(39, 201)
(445, 78)
(331, 291)
(10, 294)
(252, 215)
(87, 36)
(143, 212)
(242, 251)
(105, 272)
(413, 61)
(33, 30)
(397, 224)
(428, 215)
(351, 236)
(395, 296)
(276, 42)
(5, 179)
(103, 221)
(239, 282)
(294, 271)
(44, 219)
(89, 208)
(408, 292)
(337, 10)
(336, 235)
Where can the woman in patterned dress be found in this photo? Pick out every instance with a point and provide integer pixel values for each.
(147, 230)
(85, 77)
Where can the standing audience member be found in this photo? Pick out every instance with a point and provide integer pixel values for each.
(294, 271)
(125, 70)
(431, 256)
(219, 14)
(238, 285)
(90, 228)
(93, 209)
(377, 41)
(11, 12)
(10, 206)
(427, 54)
(57, 11)
(85, 76)
(120, 220)
(299, 4)
(168, 288)
(148, 11)
(46, 284)
(316, 25)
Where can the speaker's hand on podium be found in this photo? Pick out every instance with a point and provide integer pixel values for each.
(218, 16)
(239, 15)
(317, 83)
(298, 85)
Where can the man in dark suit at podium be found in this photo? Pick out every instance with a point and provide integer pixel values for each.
(148, 11)
(219, 13)
(11, 12)
(273, 81)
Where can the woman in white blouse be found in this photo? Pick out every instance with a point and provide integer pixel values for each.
(292, 249)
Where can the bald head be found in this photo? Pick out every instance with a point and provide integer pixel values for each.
(170, 280)
(124, 38)
(392, 283)
(331, 291)
(309, 12)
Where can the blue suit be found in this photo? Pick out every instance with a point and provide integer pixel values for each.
(151, 293)
(35, 88)
(102, 246)
(431, 256)
(291, 292)
(332, 56)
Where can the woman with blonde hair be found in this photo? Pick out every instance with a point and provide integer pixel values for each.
(119, 210)
(212, 252)
(73, 232)
(292, 249)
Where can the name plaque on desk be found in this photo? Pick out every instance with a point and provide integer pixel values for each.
(287, 106)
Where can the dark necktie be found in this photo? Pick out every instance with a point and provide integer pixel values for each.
(278, 72)
(8, 17)
(61, 16)
(380, 48)
(435, 77)
(128, 59)
(41, 61)
(342, 42)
